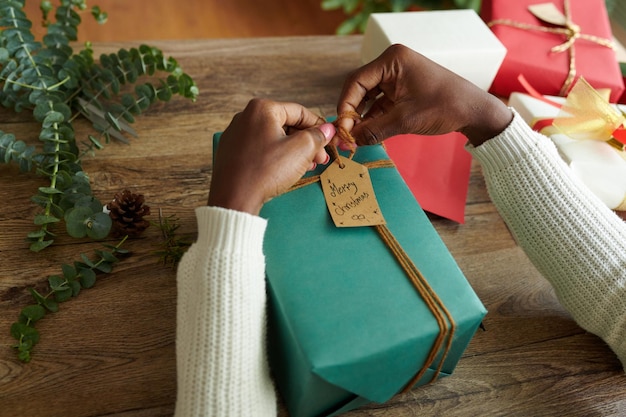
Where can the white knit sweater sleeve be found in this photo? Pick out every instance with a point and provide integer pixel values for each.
(574, 240)
(222, 368)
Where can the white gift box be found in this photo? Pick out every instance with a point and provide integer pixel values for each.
(456, 39)
(600, 166)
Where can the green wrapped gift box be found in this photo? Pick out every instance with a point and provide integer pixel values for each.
(346, 324)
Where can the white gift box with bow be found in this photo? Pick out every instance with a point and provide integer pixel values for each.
(598, 164)
(456, 39)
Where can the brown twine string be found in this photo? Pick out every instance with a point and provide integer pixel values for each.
(443, 317)
(303, 182)
(343, 134)
(344, 137)
(572, 33)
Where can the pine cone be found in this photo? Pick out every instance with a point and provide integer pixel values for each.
(127, 211)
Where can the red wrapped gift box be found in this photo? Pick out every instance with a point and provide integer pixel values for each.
(529, 51)
(436, 169)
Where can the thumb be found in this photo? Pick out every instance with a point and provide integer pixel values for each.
(328, 130)
(322, 135)
(308, 145)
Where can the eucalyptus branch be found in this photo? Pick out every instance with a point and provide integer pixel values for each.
(55, 83)
(34, 87)
(81, 275)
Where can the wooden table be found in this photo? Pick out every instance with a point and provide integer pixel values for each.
(111, 350)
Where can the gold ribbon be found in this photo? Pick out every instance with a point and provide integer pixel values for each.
(444, 319)
(565, 27)
(587, 115)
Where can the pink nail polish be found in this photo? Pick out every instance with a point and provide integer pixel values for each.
(327, 160)
(328, 130)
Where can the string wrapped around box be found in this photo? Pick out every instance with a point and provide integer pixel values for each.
(438, 309)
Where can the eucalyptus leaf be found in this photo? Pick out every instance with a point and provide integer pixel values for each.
(75, 286)
(69, 272)
(116, 249)
(25, 332)
(76, 221)
(88, 201)
(4, 55)
(49, 190)
(24, 353)
(57, 283)
(105, 267)
(42, 219)
(40, 245)
(95, 142)
(37, 234)
(87, 261)
(51, 305)
(100, 16)
(87, 278)
(33, 312)
(107, 256)
(52, 118)
(99, 226)
(63, 294)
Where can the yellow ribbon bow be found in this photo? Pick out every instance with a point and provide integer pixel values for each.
(588, 115)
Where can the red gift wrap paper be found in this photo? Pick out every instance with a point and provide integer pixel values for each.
(529, 51)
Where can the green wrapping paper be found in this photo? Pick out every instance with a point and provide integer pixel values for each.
(346, 326)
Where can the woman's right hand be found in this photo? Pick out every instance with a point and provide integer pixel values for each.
(404, 92)
(266, 149)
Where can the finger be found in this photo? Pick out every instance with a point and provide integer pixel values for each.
(296, 116)
(361, 85)
(309, 144)
(328, 130)
(375, 130)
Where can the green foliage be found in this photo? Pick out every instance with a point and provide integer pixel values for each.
(73, 278)
(57, 84)
(610, 5)
(358, 11)
(173, 246)
(86, 218)
(12, 150)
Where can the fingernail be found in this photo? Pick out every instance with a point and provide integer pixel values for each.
(328, 130)
(313, 166)
(344, 146)
(327, 160)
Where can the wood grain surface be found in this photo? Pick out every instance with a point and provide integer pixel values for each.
(111, 351)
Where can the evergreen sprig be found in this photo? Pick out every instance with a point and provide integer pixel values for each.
(58, 84)
(73, 278)
(172, 246)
